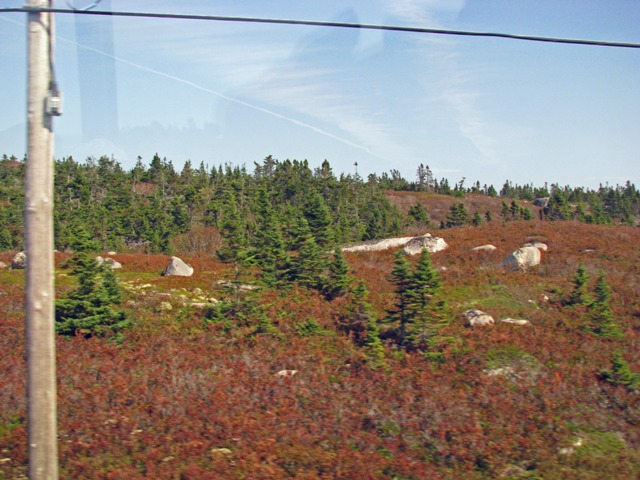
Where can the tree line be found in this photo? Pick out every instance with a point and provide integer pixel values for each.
(147, 207)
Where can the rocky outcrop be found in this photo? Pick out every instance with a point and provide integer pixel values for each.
(477, 318)
(178, 268)
(523, 259)
(19, 261)
(484, 248)
(424, 242)
(377, 245)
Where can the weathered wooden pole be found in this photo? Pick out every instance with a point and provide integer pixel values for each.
(38, 210)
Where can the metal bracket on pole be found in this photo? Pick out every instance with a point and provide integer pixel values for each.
(88, 7)
(36, 7)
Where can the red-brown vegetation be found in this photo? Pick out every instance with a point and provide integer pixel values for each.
(180, 397)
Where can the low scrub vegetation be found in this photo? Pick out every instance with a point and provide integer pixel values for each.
(190, 388)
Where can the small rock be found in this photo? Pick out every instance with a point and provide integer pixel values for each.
(164, 307)
(286, 373)
(514, 321)
(19, 261)
(3, 265)
(221, 451)
(485, 248)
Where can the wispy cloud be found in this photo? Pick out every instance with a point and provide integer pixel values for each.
(250, 105)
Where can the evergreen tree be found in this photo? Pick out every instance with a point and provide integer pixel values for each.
(88, 310)
(477, 220)
(374, 349)
(579, 295)
(338, 280)
(319, 218)
(425, 312)
(418, 215)
(269, 249)
(505, 213)
(602, 321)
(401, 278)
(621, 373)
(458, 215)
(309, 265)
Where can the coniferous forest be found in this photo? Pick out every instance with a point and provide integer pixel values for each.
(285, 355)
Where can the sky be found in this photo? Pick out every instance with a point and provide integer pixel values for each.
(482, 109)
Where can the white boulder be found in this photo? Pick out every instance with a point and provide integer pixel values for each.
(477, 318)
(424, 242)
(19, 261)
(523, 258)
(178, 268)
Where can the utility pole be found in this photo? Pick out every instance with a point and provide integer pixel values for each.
(43, 103)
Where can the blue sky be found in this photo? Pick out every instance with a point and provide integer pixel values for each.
(217, 92)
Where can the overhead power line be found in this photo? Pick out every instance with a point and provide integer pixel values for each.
(312, 23)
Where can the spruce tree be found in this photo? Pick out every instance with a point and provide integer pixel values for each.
(602, 321)
(458, 215)
(374, 349)
(400, 277)
(426, 312)
(88, 310)
(338, 280)
(621, 373)
(579, 295)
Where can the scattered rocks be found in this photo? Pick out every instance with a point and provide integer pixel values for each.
(424, 242)
(485, 248)
(477, 318)
(178, 268)
(523, 259)
(19, 261)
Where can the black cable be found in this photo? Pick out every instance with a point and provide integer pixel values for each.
(312, 23)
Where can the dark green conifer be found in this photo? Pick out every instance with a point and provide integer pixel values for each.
(425, 311)
(338, 280)
(400, 277)
(88, 310)
(579, 295)
(602, 321)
